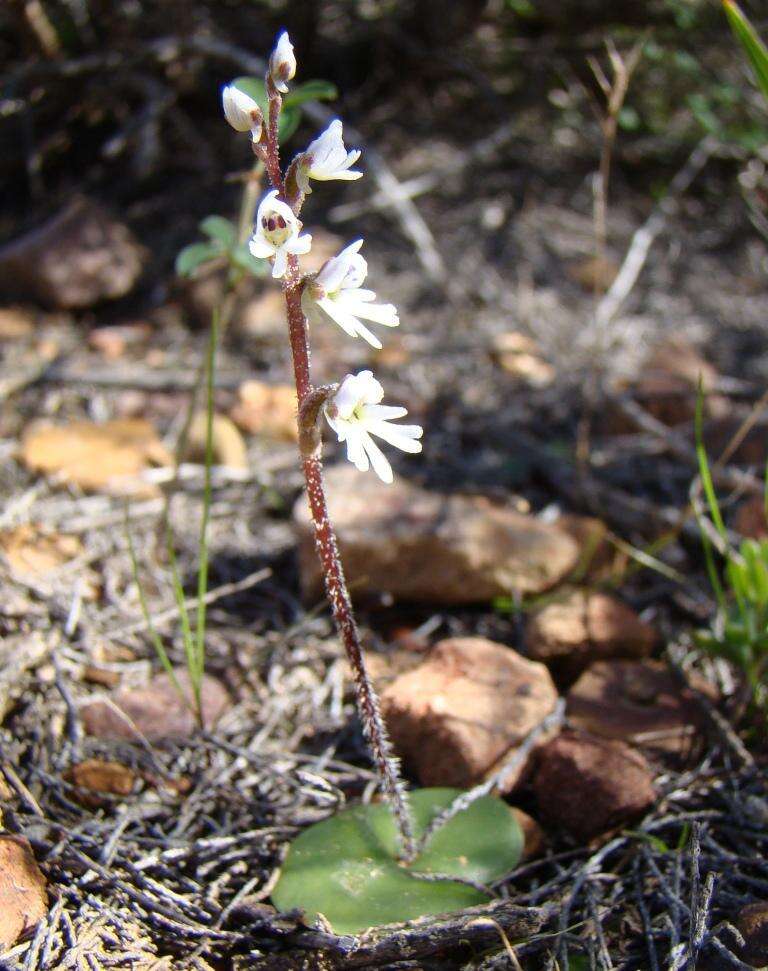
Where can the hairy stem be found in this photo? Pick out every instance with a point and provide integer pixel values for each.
(387, 765)
(368, 705)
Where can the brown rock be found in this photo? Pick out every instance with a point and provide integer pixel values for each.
(263, 317)
(114, 340)
(420, 545)
(598, 557)
(228, 446)
(455, 715)
(535, 840)
(99, 458)
(636, 701)
(750, 519)
(588, 785)
(752, 923)
(520, 356)
(19, 653)
(572, 631)
(155, 711)
(23, 898)
(594, 273)
(77, 259)
(102, 777)
(670, 380)
(266, 409)
(15, 322)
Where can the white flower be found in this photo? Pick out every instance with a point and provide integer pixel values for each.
(326, 158)
(241, 111)
(355, 414)
(277, 234)
(282, 62)
(336, 292)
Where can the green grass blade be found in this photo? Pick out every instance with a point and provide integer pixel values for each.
(704, 470)
(754, 48)
(202, 577)
(186, 628)
(153, 635)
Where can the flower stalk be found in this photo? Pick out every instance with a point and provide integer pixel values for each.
(352, 407)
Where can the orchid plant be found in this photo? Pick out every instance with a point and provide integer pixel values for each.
(467, 851)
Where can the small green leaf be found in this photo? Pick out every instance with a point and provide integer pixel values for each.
(243, 259)
(219, 229)
(194, 255)
(254, 88)
(753, 46)
(345, 867)
(311, 91)
(290, 116)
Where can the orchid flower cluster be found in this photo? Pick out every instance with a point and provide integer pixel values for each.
(336, 293)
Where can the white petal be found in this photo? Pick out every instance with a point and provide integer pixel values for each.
(381, 466)
(347, 323)
(346, 175)
(384, 412)
(281, 263)
(403, 437)
(356, 452)
(260, 248)
(299, 245)
(379, 313)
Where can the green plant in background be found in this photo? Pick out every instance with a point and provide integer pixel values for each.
(739, 632)
(754, 48)
(226, 245)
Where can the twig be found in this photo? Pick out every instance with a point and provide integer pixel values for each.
(225, 590)
(636, 255)
(496, 781)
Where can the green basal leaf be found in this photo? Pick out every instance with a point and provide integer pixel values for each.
(194, 255)
(754, 48)
(243, 259)
(310, 91)
(346, 869)
(219, 229)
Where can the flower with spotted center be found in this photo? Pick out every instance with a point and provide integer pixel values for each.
(277, 234)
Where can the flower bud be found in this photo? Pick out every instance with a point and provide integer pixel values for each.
(241, 111)
(282, 63)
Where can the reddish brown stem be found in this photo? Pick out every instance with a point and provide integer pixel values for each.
(368, 706)
(335, 584)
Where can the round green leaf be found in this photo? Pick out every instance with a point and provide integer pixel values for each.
(194, 255)
(311, 91)
(219, 229)
(346, 869)
(243, 259)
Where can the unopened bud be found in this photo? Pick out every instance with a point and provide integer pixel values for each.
(282, 63)
(241, 111)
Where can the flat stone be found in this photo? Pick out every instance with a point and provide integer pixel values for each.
(19, 653)
(155, 711)
(750, 519)
(458, 713)
(424, 546)
(588, 785)
(572, 631)
(639, 702)
(752, 923)
(78, 258)
(23, 896)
